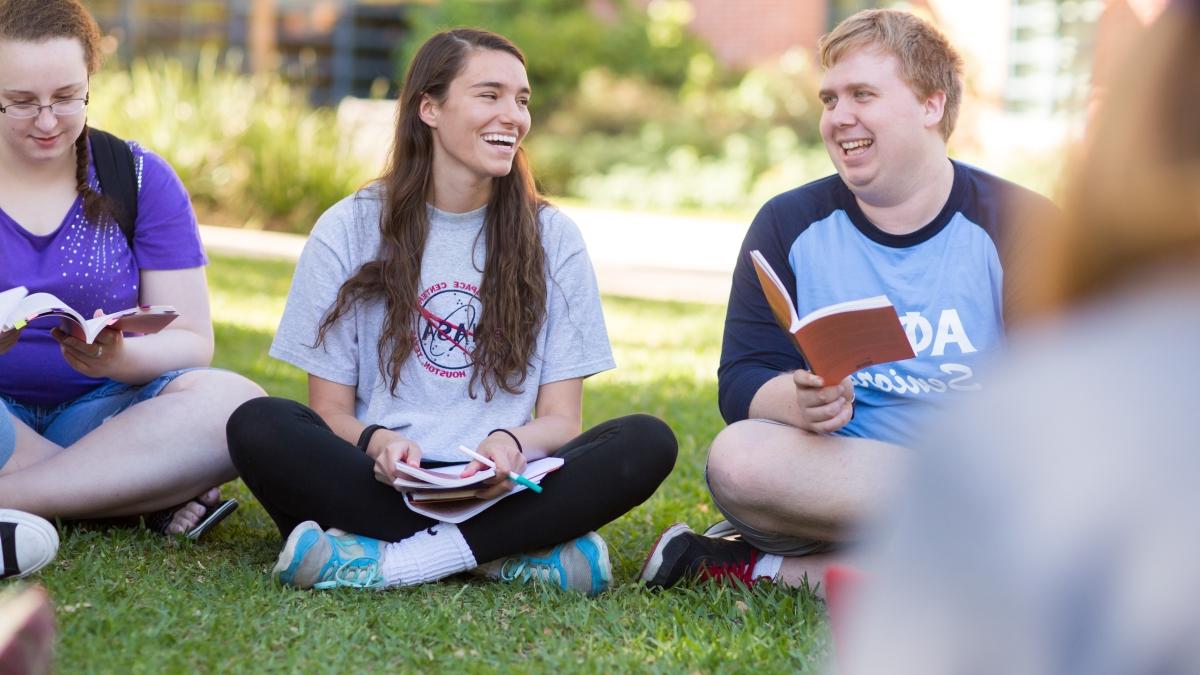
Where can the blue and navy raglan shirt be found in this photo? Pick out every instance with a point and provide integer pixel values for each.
(946, 280)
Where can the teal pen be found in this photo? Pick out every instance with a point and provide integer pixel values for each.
(512, 475)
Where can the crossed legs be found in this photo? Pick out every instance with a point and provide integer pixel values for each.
(152, 456)
(796, 493)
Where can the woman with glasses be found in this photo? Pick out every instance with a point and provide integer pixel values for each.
(126, 425)
(446, 304)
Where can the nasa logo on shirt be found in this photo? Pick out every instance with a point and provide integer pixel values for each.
(445, 340)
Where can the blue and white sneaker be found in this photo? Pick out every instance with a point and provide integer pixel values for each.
(578, 565)
(321, 560)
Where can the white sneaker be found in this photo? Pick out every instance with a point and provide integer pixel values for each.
(27, 543)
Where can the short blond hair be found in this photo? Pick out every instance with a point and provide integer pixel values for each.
(928, 63)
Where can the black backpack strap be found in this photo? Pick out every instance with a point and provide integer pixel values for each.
(117, 174)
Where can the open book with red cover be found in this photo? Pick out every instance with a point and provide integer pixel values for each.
(18, 307)
(442, 494)
(837, 340)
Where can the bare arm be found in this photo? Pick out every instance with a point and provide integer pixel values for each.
(799, 399)
(558, 419)
(335, 404)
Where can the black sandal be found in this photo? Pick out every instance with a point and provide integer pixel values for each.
(159, 521)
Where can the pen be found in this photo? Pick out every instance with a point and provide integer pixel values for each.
(512, 475)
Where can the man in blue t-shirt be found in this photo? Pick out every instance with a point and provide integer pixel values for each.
(803, 460)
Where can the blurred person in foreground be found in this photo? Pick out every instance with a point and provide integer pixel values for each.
(26, 631)
(803, 461)
(1052, 526)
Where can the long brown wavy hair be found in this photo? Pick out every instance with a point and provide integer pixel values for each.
(41, 20)
(513, 290)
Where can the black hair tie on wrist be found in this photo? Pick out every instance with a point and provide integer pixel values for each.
(510, 435)
(364, 439)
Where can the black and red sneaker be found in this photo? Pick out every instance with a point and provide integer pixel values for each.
(680, 553)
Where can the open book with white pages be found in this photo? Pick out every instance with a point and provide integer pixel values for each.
(444, 495)
(18, 307)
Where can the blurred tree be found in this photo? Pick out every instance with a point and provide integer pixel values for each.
(562, 39)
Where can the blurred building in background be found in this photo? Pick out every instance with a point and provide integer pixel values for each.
(336, 48)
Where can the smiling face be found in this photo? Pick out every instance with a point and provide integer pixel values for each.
(878, 133)
(479, 126)
(41, 73)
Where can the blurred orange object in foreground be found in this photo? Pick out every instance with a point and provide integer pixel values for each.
(841, 584)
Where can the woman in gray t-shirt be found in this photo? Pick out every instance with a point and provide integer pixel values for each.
(447, 304)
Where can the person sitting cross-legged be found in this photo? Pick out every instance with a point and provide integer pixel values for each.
(803, 460)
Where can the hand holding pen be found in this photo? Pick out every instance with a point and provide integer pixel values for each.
(501, 472)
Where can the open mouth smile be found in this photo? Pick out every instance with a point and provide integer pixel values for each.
(855, 147)
(500, 140)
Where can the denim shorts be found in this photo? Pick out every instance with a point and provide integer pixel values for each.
(65, 423)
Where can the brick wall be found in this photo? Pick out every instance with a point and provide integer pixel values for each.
(749, 32)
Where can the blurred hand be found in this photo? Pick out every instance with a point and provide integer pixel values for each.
(823, 409)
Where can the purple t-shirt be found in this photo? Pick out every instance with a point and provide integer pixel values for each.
(90, 266)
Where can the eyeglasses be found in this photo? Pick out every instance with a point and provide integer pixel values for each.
(63, 108)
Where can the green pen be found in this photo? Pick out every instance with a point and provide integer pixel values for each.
(512, 475)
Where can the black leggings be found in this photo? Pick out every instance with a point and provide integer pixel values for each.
(300, 470)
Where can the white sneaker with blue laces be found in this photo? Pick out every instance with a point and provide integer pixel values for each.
(578, 565)
(312, 558)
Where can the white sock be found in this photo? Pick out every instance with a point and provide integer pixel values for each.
(426, 556)
(768, 565)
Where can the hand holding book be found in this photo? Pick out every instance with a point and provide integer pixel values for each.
(95, 358)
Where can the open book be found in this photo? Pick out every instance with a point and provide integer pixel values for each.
(839, 339)
(443, 495)
(18, 307)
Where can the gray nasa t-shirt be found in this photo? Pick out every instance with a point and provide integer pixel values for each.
(431, 404)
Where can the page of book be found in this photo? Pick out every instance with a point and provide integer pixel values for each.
(778, 297)
(460, 510)
(445, 476)
(8, 302)
(18, 307)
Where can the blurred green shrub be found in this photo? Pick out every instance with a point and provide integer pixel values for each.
(708, 144)
(629, 110)
(251, 151)
(562, 39)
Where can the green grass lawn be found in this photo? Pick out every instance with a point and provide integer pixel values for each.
(129, 601)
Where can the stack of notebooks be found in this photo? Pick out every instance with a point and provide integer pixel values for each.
(442, 494)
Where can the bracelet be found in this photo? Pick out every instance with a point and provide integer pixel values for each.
(510, 435)
(364, 439)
